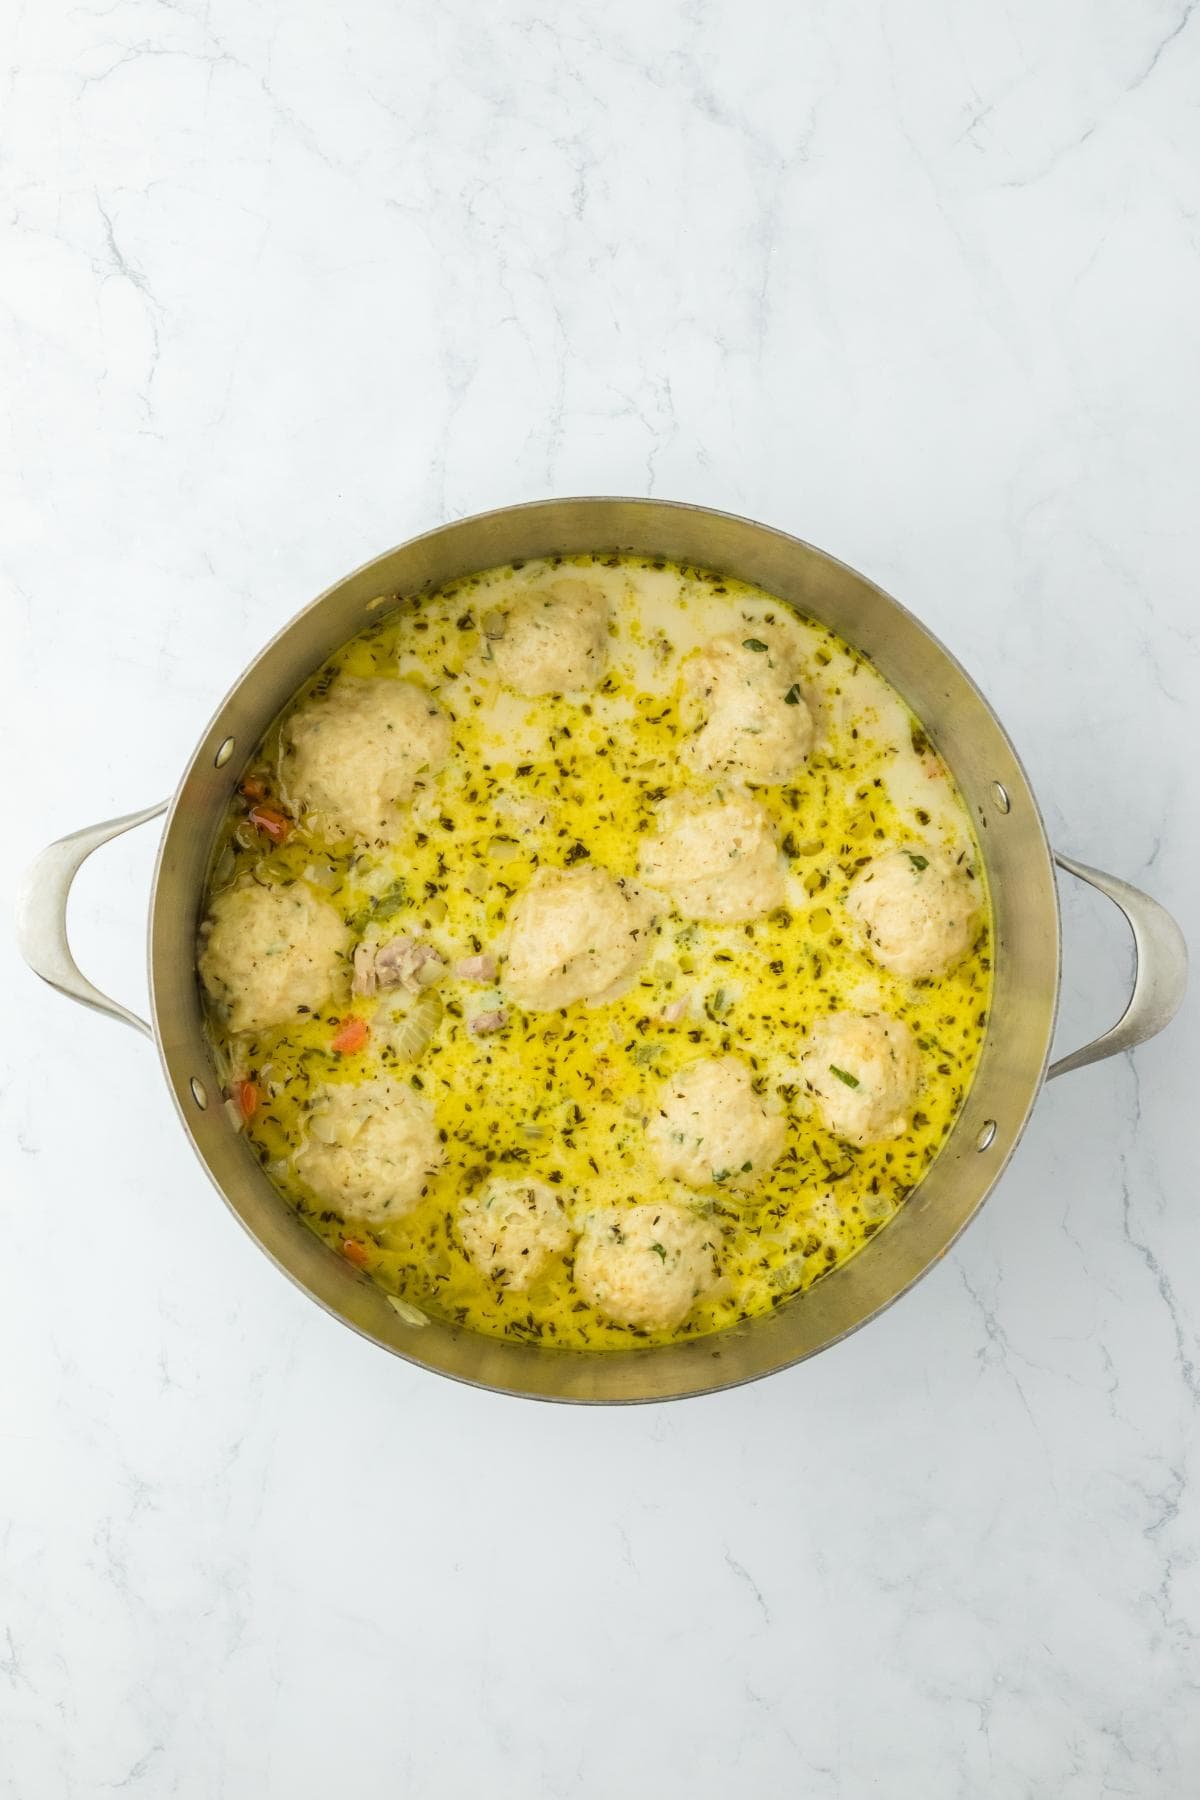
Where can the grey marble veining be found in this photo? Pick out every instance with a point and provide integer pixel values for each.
(281, 285)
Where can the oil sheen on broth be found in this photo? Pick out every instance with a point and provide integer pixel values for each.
(809, 997)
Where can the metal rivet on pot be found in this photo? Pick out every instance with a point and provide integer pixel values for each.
(986, 1135)
(199, 1092)
(224, 752)
(1000, 796)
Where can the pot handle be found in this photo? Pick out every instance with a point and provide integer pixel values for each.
(1160, 969)
(41, 913)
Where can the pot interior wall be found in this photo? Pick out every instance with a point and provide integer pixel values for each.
(1020, 876)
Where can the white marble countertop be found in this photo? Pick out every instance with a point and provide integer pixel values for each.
(284, 284)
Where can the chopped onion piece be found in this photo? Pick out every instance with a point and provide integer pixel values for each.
(322, 876)
(410, 1033)
(412, 1315)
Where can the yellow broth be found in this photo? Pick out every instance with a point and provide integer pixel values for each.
(563, 1097)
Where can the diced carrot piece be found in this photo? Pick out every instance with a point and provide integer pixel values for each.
(247, 1096)
(272, 821)
(355, 1252)
(254, 788)
(350, 1036)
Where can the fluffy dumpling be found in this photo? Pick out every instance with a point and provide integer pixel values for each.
(371, 1149)
(512, 1230)
(352, 759)
(710, 1126)
(645, 1265)
(862, 1072)
(269, 953)
(917, 911)
(717, 860)
(555, 639)
(745, 696)
(574, 934)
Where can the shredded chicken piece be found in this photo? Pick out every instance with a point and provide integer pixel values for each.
(476, 968)
(401, 962)
(485, 1022)
(675, 1011)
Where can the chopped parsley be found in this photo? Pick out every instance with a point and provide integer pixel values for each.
(753, 644)
(843, 1075)
(384, 906)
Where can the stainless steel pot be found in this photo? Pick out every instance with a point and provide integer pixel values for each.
(1020, 868)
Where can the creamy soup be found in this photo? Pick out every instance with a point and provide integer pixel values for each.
(596, 952)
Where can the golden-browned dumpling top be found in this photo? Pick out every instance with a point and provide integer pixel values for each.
(917, 911)
(352, 760)
(645, 1265)
(555, 638)
(710, 1126)
(717, 860)
(862, 1072)
(513, 1230)
(269, 954)
(574, 934)
(371, 1150)
(743, 697)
